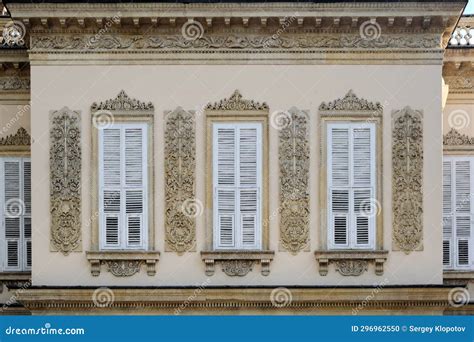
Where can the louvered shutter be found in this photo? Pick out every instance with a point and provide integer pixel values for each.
(463, 211)
(447, 214)
(26, 246)
(111, 191)
(339, 183)
(123, 179)
(134, 194)
(248, 165)
(225, 188)
(364, 204)
(12, 216)
(351, 184)
(237, 185)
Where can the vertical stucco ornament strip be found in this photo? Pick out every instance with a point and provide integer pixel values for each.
(294, 178)
(65, 178)
(407, 180)
(181, 206)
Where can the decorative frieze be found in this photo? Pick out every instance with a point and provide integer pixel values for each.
(252, 42)
(460, 83)
(65, 180)
(294, 182)
(20, 138)
(181, 207)
(353, 267)
(236, 103)
(124, 268)
(407, 179)
(11, 83)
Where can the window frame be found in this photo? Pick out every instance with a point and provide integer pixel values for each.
(453, 266)
(22, 254)
(238, 245)
(351, 215)
(123, 239)
(350, 117)
(237, 117)
(123, 117)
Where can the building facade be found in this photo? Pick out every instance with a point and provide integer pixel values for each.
(237, 158)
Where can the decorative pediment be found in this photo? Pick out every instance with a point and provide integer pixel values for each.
(237, 103)
(454, 138)
(20, 138)
(351, 102)
(122, 103)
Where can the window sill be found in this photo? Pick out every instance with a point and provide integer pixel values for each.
(457, 277)
(17, 279)
(123, 263)
(350, 262)
(237, 262)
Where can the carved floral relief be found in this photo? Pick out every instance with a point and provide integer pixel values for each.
(407, 179)
(180, 174)
(294, 182)
(65, 180)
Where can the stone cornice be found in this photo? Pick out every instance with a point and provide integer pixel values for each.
(218, 300)
(235, 9)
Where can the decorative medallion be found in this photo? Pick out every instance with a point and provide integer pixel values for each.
(407, 179)
(124, 268)
(237, 103)
(20, 138)
(122, 103)
(294, 178)
(237, 268)
(65, 178)
(351, 267)
(454, 138)
(180, 175)
(351, 102)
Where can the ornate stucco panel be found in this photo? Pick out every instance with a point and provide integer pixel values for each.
(294, 179)
(65, 180)
(181, 206)
(20, 138)
(407, 179)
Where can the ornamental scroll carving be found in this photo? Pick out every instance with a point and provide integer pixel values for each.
(351, 102)
(122, 103)
(237, 103)
(454, 138)
(294, 178)
(20, 138)
(237, 268)
(351, 267)
(249, 42)
(407, 179)
(65, 178)
(180, 173)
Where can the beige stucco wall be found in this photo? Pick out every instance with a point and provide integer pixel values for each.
(281, 86)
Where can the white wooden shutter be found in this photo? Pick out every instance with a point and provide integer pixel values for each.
(457, 212)
(123, 180)
(16, 213)
(12, 219)
(26, 254)
(237, 185)
(447, 214)
(351, 185)
(463, 211)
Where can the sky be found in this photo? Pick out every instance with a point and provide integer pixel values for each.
(470, 7)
